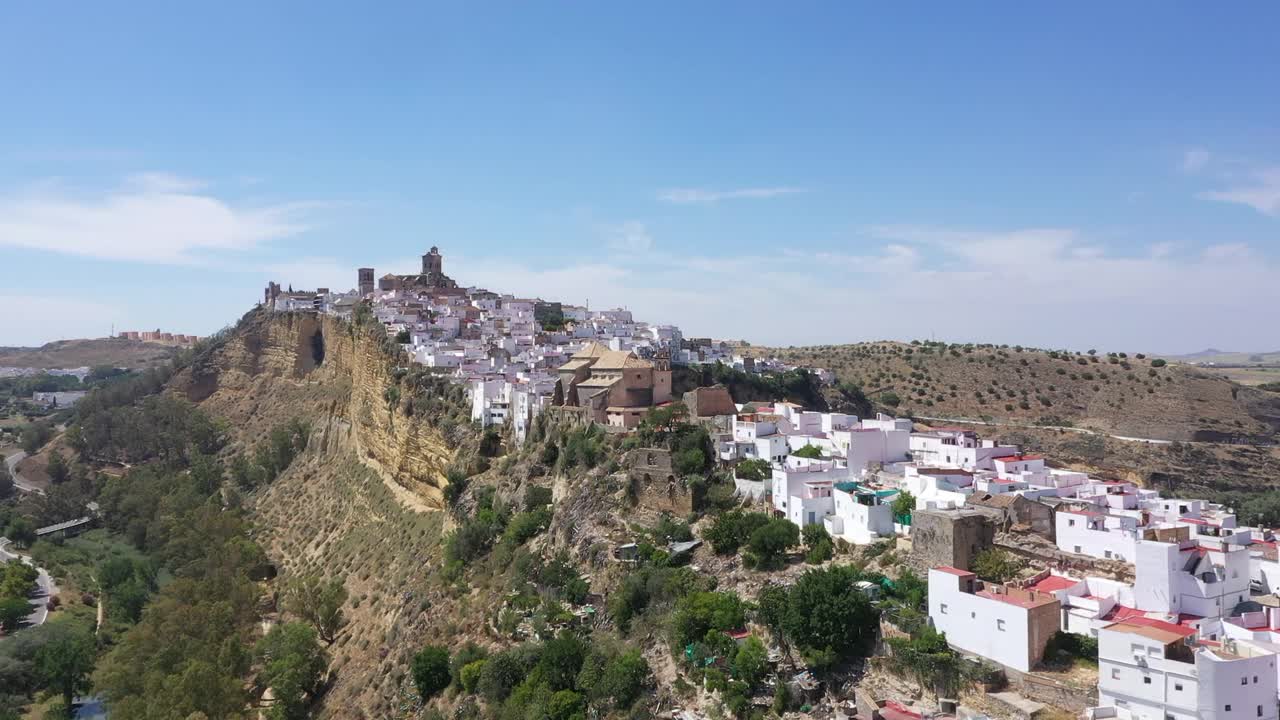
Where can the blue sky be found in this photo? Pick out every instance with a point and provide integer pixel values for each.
(1086, 175)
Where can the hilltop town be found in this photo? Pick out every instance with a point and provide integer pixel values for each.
(1167, 606)
(518, 356)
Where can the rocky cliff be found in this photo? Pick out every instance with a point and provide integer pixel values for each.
(339, 377)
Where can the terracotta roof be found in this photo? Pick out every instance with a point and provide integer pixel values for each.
(952, 571)
(1053, 583)
(1165, 632)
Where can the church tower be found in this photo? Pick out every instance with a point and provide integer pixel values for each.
(433, 262)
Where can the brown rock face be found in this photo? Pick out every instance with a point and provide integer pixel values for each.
(279, 366)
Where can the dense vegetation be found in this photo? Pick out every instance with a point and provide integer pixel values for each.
(798, 386)
(181, 605)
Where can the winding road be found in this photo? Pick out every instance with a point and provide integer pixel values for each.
(18, 481)
(45, 587)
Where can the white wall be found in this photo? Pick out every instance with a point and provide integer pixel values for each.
(992, 629)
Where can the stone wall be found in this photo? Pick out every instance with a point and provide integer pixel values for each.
(654, 484)
(949, 537)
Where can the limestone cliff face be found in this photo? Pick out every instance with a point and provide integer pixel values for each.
(277, 366)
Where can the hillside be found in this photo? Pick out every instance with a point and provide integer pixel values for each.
(1223, 357)
(63, 354)
(1128, 396)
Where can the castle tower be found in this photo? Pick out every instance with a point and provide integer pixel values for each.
(433, 262)
(364, 281)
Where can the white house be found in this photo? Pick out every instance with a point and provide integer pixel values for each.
(1096, 533)
(957, 448)
(1191, 578)
(1007, 625)
(860, 515)
(1154, 670)
(937, 487)
(802, 489)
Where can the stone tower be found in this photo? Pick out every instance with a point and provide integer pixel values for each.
(433, 262)
(364, 281)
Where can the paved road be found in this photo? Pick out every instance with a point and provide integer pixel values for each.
(45, 587)
(1082, 431)
(18, 481)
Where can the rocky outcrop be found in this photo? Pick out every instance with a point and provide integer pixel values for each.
(277, 366)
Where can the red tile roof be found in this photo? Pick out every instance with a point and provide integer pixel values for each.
(1144, 621)
(1120, 613)
(1052, 583)
(952, 571)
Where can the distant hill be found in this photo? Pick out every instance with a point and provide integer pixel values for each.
(63, 354)
(1132, 396)
(1223, 357)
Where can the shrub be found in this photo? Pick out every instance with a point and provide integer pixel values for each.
(469, 677)
(770, 542)
(731, 530)
(996, 565)
(753, 469)
(1157, 363)
(431, 671)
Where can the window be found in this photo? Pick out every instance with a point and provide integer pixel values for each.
(942, 608)
(1259, 711)
(1108, 554)
(1000, 625)
(1146, 680)
(1255, 679)
(973, 615)
(1227, 707)
(1177, 686)
(1115, 673)
(1077, 549)
(1244, 681)
(1071, 523)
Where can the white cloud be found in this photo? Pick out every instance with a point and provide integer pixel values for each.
(1195, 159)
(152, 218)
(1227, 252)
(1262, 194)
(627, 237)
(705, 196)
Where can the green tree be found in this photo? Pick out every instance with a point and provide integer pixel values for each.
(431, 671)
(319, 602)
(698, 613)
(753, 469)
(21, 531)
(770, 542)
(996, 565)
(561, 660)
(612, 679)
(6, 481)
(500, 675)
(293, 664)
(751, 661)
(825, 615)
(64, 663)
(813, 452)
(13, 610)
(731, 530)
(903, 505)
(57, 468)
